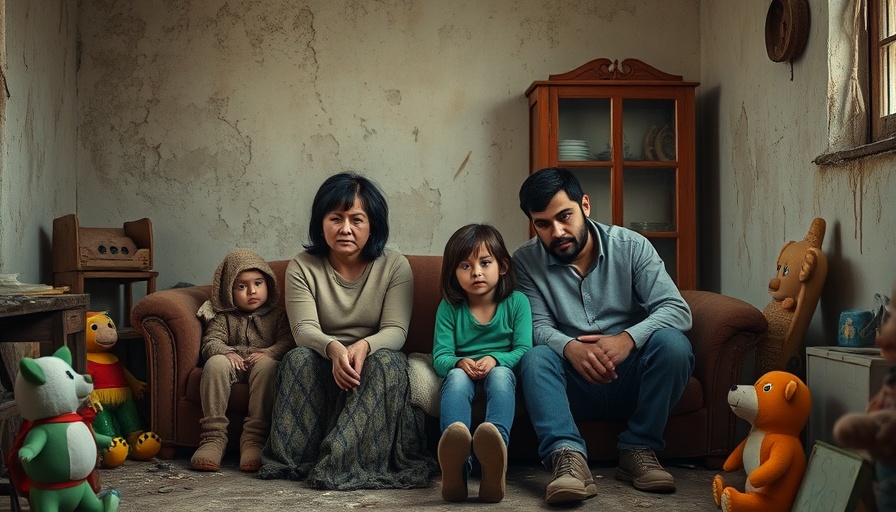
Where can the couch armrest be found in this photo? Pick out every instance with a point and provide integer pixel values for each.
(725, 329)
(172, 332)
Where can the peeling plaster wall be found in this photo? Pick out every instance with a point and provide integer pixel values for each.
(38, 164)
(761, 125)
(219, 119)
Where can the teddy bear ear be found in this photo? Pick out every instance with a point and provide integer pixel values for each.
(32, 372)
(790, 390)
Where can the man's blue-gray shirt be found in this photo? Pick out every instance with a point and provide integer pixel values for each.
(627, 289)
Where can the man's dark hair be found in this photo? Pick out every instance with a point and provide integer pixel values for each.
(540, 187)
(338, 192)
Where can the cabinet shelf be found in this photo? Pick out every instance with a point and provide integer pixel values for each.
(626, 130)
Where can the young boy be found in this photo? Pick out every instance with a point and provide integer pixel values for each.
(243, 341)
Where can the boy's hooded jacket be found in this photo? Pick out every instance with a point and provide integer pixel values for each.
(232, 330)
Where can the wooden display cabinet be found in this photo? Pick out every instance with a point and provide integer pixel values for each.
(627, 132)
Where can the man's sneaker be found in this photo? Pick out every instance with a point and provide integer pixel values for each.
(571, 479)
(454, 452)
(641, 468)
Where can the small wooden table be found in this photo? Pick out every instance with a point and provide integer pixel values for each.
(53, 320)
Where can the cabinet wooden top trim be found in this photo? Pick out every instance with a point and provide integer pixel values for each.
(606, 71)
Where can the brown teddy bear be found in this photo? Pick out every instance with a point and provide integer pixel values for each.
(777, 406)
(801, 269)
(875, 430)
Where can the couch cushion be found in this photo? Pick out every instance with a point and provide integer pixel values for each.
(691, 399)
(427, 297)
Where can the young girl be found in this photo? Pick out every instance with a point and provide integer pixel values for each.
(483, 328)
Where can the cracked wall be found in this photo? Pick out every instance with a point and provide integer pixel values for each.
(38, 163)
(218, 120)
(763, 125)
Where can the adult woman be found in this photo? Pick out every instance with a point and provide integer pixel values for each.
(342, 419)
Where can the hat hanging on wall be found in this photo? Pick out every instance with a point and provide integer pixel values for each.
(786, 29)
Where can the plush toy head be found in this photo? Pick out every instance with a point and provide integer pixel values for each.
(48, 386)
(798, 266)
(778, 402)
(101, 333)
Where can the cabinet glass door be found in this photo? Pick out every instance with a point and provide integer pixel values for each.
(596, 183)
(583, 132)
(648, 126)
(648, 203)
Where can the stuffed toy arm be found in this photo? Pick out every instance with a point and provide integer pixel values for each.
(780, 456)
(736, 459)
(102, 441)
(873, 431)
(138, 387)
(35, 441)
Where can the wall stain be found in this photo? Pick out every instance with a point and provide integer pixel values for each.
(420, 212)
(463, 164)
(393, 97)
(743, 167)
(368, 132)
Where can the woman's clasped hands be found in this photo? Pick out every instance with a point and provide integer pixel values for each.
(348, 361)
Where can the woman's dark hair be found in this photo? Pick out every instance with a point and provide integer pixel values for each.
(338, 193)
(539, 188)
(465, 244)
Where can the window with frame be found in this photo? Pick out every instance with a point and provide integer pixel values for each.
(862, 80)
(882, 67)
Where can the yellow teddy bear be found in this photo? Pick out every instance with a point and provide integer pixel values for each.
(114, 390)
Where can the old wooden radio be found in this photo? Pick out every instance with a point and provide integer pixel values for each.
(77, 248)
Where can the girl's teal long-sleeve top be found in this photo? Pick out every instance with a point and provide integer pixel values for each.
(458, 334)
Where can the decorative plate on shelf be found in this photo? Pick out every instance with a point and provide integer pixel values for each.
(649, 143)
(665, 144)
(573, 150)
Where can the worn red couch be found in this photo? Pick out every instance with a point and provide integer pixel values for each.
(701, 425)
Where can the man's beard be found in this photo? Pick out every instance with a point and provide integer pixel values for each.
(577, 242)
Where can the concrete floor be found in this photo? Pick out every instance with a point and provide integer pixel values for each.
(160, 485)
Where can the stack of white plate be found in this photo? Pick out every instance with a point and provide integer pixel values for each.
(570, 149)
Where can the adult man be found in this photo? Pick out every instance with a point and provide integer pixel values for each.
(608, 322)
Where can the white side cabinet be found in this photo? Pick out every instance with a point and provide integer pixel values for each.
(841, 380)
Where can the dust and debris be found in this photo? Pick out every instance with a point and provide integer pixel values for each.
(367, 131)
(171, 485)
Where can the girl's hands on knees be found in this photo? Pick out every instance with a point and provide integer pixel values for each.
(470, 368)
(236, 361)
(343, 373)
(486, 364)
